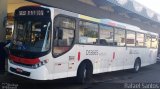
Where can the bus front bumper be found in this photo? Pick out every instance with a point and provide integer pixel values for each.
(40, 73)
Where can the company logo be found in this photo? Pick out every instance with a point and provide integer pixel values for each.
(91, 52)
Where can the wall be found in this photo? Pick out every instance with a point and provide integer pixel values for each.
(12, 5)
(3, 14)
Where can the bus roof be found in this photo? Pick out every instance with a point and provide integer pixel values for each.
(116, 24)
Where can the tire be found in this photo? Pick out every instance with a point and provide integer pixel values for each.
(137, 66)
(84, 73)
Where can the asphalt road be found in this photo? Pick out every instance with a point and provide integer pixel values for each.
(147, 77)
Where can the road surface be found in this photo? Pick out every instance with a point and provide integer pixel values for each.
(147, 77)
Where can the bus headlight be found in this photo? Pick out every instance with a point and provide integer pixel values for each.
(41, 63)
(11, 61)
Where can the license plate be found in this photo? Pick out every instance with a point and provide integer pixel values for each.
(19, 70)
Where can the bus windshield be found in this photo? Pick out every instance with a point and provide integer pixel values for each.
(31, 35)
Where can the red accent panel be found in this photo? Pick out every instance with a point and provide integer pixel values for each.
(113, 55)
(112, 24)
(24, 60)
(79, 56)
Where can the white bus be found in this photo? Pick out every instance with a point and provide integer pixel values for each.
(50, 43)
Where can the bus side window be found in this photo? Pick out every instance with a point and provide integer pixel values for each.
(60, 34)
(131, 38)
(139, 39)
(154, 42)
(148, 41)
(106, 35)
(63, 35)
(88, 32)
(119, 37)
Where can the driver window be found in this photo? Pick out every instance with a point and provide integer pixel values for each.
(38, 34)
(63, 36)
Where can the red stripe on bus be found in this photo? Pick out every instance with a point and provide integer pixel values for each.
(24, 60)
(112, 24)
(113, 55)
(79, 56)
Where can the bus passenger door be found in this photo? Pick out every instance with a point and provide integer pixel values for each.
(60, 65)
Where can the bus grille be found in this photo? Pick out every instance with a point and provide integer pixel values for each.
(25, 73)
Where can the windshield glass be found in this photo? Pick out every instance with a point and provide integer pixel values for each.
(31, 35)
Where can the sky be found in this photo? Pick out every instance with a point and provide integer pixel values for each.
(151, 4)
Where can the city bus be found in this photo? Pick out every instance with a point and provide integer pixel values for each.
(50, 43)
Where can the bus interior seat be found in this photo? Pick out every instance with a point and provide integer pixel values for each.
(115, 43)
(102, 42)
(62, 42)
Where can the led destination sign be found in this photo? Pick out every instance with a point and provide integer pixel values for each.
(32, 11)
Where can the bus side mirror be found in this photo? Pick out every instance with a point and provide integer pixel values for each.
(60, 34)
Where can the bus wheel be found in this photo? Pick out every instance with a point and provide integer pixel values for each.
(137, 66)
(84, 73)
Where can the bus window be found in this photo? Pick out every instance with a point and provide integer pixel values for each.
(31, 35)
(106, 33)
(63, 37)
(139, 39)
(154, 42)
(119, 37)
(130, 40)
(88, 32)
(148, 41)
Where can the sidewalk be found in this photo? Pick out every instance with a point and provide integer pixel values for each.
(2, 75)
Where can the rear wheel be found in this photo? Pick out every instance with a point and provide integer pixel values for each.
(137, 66)
(84, 73)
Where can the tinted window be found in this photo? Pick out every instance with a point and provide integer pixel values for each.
(32, 35)
(154, 42)
(65, 22)
(139, 39)
(63, 34)
(148, 41)
(106, 35)
(130, 40)
(119, 37)
(88, 32)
